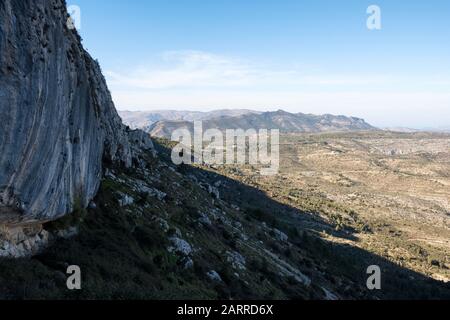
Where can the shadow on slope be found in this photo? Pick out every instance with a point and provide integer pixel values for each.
(122, 250)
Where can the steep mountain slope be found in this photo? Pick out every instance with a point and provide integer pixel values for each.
(162, 231)
(154, 230)
(284, 121)
(58, 120)
(58, 116)
(142, 119)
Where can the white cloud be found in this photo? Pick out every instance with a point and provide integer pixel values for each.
(196, 69)
(203, 81)
(187, 69)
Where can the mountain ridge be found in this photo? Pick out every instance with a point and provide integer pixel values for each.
(284, 121)
(143, 119)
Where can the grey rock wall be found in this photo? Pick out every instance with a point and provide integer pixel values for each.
(57, 118)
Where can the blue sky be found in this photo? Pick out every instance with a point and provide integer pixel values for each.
(313, 56)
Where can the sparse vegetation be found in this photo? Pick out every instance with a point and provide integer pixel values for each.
(124, 250)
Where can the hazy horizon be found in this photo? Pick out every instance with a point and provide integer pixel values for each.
(311, 57)
(436, 128)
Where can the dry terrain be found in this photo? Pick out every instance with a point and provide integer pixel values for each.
(391, 191)
(342, 202)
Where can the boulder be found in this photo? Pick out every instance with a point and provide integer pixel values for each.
(180, 246)
(237, 260)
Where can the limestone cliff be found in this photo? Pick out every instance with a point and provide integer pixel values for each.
(58, 121)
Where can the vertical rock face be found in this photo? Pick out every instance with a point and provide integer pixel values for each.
(58, 121)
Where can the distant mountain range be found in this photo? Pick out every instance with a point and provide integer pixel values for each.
(401, 129)
(163, 123)
(144, 119)
(412, 130)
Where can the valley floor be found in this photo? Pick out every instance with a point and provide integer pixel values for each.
(393, 189)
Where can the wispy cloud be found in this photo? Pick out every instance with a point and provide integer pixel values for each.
(201, 80)
(196, 69)
(187, 69)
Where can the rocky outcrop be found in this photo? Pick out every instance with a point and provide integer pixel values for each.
(144, 119)
(19, 242)
(58, 119)
(28, 240)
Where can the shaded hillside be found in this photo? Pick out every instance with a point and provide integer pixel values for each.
(77, 187)
(180, 232)
(59, 120)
